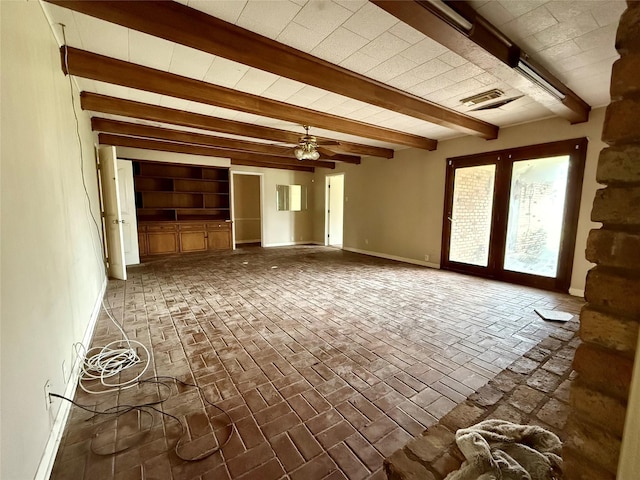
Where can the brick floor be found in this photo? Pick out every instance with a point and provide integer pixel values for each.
(508, 396)
(327, 361)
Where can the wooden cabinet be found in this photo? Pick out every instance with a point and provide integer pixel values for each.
(219, 236)
(181, 208)
(162, 238)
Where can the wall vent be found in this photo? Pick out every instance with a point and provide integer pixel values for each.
(482, 97)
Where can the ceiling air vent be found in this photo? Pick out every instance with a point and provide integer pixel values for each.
(482, 97)
(498, 104)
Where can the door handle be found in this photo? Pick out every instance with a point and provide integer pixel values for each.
(115, 222)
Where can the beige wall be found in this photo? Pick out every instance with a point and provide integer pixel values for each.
(51, 275)
(280, 228)
(283, 228)
(246, 208)
(394, 207)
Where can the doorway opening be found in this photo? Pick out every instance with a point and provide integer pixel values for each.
(334, 210)
(247, 208)
(512, 215)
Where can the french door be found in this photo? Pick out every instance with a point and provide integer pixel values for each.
(512, 214)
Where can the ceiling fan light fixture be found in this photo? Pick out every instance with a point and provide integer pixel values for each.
(307, 148)
(306, 151)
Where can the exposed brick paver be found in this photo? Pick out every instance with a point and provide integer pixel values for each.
(509, 396)
(326, 364)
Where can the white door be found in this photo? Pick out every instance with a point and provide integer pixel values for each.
(335, 209)
(128, 212)
(112, 219)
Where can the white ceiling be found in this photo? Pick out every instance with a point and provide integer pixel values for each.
(573, 39)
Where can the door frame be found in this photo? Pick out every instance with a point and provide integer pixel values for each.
(327, 232)
(232, 203)
(503, 159)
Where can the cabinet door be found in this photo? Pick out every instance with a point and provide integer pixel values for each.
(218, 236)
(193, 241)
(162, 242)
(142, 243)
(218, 240)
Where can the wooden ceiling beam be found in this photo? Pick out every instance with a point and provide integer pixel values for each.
(265, 164)
(178, 23)
(147, 131)
(483, 44)
(129, 108)
(118, 72)
(148, 144)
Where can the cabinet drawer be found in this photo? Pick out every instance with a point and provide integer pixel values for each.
(192, 227)
(159, 227)
(219, 226)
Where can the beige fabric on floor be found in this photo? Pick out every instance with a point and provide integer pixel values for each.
(500, 450)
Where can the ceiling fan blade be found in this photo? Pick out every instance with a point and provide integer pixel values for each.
(328, 142)
(326, 151)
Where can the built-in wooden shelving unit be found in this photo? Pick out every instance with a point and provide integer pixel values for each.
(181, 208)
(171, 192)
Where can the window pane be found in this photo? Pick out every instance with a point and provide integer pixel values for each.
(471, 215)
(536, 208)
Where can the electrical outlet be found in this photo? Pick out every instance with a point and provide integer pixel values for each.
(65, 373)
(47, 391)
(366, 241)
(426, 258)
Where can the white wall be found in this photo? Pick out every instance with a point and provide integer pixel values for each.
(394, 207)
(51, 272)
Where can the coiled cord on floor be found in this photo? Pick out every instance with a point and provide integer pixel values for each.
(103, 363)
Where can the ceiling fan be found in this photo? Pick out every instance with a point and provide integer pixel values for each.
(309, 148)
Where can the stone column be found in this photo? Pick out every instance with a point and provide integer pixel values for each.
(609, 321)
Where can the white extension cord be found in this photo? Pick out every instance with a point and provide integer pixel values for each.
(112, 359)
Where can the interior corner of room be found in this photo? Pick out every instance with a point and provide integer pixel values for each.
(60, 210)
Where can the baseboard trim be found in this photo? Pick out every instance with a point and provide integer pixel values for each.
(287, 244)
(60, 421)
(393, 257)
(576, 292)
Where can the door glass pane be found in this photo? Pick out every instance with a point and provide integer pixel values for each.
(471, 214)
(536, 208)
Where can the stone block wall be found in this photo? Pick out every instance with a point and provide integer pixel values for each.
(609, 322)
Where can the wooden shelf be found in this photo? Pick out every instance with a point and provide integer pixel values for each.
(181, 208)
(169, 192)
